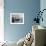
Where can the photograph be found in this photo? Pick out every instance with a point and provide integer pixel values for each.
(16, 18)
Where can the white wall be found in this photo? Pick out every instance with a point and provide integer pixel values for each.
(43, 6)
(1, 21)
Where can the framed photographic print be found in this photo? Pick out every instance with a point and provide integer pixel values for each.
(16, 18)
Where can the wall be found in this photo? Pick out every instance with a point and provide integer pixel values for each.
(43, 6)
(29, 8)
(1, 20)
